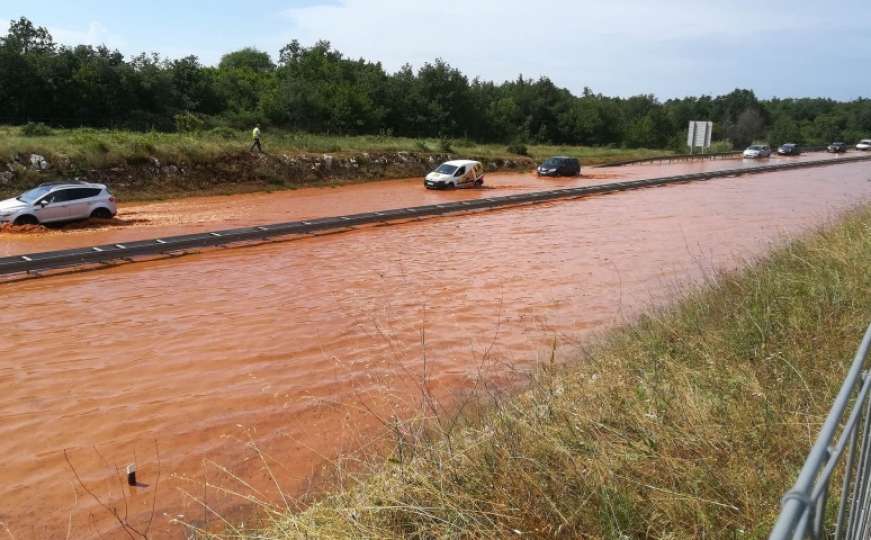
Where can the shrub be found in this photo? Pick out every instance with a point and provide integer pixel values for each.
(140, 151)
(721, 146)
(518, 148)
(445, 145)
(35, 129)
(245, 120)
(223, 132)
(187, 122)
(421, 145)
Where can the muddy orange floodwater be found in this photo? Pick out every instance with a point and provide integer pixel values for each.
(196, 367)
(137, 221)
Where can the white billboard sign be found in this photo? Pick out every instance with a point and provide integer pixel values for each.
(699, 134)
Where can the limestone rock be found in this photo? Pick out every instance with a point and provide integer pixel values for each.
(38, 163)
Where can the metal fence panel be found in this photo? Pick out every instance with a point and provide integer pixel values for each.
(803, 508)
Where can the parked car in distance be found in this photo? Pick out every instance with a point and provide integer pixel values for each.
(454, 174)
(56, 202)
(757, 151)
(560, 166)
(837, 148)
(864, 144)
(789, 149)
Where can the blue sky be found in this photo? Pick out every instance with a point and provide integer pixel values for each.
(623, 47)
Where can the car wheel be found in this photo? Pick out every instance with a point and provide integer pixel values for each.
(101, 213)
(479, 182)
(26, 219)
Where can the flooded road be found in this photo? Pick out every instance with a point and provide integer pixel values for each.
(197, 214)
(298, 346)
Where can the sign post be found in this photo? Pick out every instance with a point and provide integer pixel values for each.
(699, 135)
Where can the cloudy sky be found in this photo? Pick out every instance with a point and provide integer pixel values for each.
(623, 47)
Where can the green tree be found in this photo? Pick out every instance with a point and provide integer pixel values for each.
(25, 38)
(248, 58)
(748, 126)
(784, 130)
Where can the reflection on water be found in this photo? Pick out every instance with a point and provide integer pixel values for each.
(286, 343)
(197, 214)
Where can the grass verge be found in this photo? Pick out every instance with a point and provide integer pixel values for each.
(689, 423)
(89, 148)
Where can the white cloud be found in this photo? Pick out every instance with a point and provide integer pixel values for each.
(623, 47)
(95, 34)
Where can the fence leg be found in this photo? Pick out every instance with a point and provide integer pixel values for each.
(858, 510)
(848, 477)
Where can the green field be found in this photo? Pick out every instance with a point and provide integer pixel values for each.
(93, 149)
(689, 423)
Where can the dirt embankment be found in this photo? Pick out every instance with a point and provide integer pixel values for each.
(151, 178)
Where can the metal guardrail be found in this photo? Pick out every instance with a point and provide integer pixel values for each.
(804, 507)
(672, 157)
(695, 157)
(38, 262)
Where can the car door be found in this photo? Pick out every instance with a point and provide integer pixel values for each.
(79, 205)
(460, 176)
(54, 206)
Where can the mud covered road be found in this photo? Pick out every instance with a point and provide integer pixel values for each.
(197, 214)
(304, 348)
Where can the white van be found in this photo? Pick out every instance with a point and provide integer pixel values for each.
(454, 174)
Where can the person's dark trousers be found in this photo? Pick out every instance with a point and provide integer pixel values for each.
(256, 144)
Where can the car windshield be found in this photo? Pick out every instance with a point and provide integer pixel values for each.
(446, 169)
(755, 147)
(788, 145)
(551, 162)
(34, 194)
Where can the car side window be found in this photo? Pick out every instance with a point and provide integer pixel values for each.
(460, 172)
(60, 196)
(83, 193)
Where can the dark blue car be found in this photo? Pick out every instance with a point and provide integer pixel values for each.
(560, 166)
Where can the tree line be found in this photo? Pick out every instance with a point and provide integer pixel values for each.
(317, 89)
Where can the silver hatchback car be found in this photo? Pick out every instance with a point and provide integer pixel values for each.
(55, 202)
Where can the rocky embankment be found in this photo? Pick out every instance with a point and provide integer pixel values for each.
(151, 177)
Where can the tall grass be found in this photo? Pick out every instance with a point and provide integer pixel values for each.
(689, 423)
(87, 148)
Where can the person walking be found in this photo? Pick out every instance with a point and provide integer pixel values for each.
(256, 136)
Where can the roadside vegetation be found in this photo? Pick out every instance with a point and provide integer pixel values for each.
(88, 148)
(142, 166)
(689, 423)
